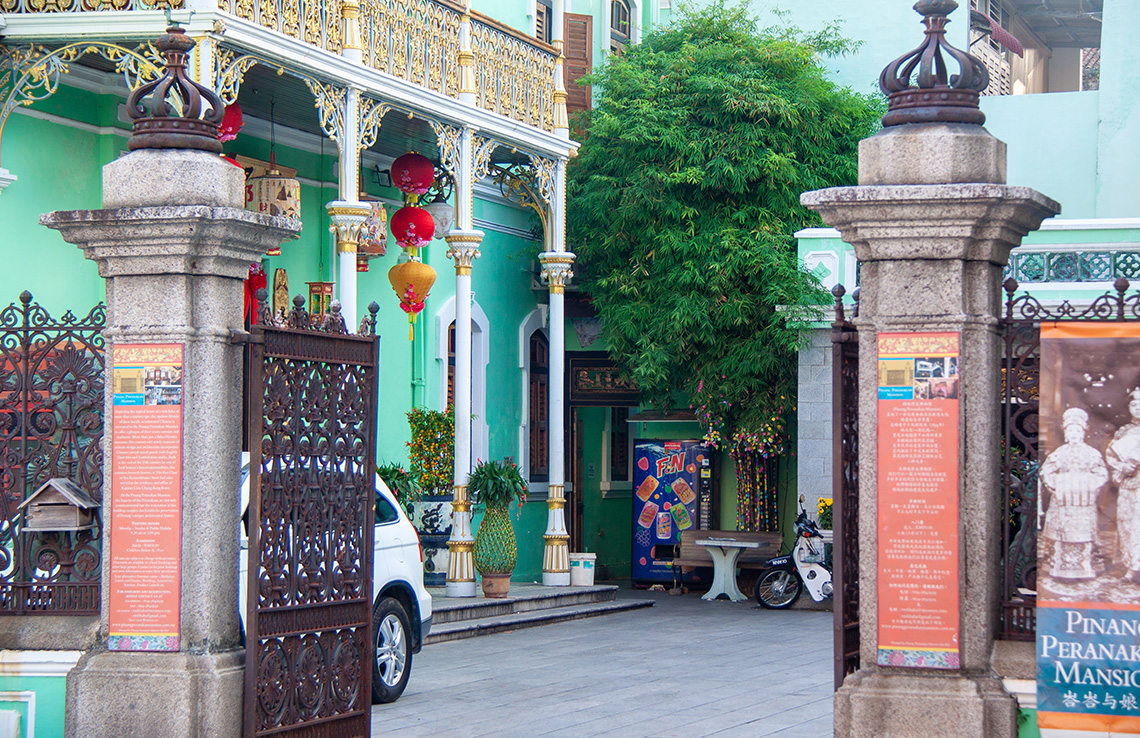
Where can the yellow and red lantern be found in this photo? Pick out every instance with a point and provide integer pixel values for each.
(412, 228)
(413, 174)
(412, 281)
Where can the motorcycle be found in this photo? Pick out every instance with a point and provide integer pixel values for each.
(783, 580)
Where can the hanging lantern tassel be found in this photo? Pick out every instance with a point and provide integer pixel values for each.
(412, 282)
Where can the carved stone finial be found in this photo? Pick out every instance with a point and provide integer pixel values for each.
(936, 96)
(174, 116)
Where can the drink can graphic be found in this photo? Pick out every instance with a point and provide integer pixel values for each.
(647, 488)
(664, 526)
(648, 513)
(684, 492)
(681, 515)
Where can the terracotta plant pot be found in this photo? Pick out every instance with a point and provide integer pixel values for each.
(496, 586)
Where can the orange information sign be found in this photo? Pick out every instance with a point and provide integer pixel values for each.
(146, 497)
(918, 500)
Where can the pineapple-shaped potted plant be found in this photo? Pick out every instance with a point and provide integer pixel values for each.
(494, 486)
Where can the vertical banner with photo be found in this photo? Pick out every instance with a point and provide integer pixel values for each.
(1088, 529)
(918, 500)
(146, 498)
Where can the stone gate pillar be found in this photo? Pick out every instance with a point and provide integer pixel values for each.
(932, 223)
(173, 244)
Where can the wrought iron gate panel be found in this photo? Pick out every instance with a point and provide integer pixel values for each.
(1021, 335)
(845, 494)
(312, 428)
(51, 425)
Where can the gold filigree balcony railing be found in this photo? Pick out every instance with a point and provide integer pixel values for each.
(416, 40)
(514, 74)
(84, 6)
(314, 22)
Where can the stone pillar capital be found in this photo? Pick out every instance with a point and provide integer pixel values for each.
(463, 247)
(345, 220)
(6, 178)
(556, 269)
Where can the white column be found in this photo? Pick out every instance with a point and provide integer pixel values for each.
(467, 89)
(463, 246)
(349, 176)
(556, 552)
(561, 121)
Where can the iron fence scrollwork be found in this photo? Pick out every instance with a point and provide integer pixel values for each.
(845, 494)
(51, 425)
(312, 426)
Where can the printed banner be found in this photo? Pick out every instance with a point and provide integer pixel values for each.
(146, 497)
(918, 500)
(1088, 529)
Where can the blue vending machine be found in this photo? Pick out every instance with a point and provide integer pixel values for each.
(665, 502)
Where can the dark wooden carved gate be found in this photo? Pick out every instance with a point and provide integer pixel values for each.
(312, 427)
(845, 495)
(51, 425)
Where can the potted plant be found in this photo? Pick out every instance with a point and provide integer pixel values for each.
(401, 482)
(495, 485)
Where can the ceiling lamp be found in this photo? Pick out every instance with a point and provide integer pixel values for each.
(412, 280)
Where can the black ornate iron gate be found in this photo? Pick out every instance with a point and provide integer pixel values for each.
(1020, 330)
(51, 425)
(845, 495)
(312, 430)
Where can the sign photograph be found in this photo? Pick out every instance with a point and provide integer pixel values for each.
(1088, 529)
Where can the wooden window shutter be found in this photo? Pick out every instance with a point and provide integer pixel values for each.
(579, 38)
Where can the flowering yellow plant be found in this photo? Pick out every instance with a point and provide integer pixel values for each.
(431, 452)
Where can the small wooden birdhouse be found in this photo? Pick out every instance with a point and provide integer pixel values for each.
(59, 505)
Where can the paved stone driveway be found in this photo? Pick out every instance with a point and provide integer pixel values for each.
(683, 668)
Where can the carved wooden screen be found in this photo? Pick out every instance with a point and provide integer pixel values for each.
(309, 612)
(51, 425)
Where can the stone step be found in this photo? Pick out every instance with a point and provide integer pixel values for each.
(523, 598)
(454, 631)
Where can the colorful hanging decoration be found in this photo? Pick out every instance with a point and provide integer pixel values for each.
(413, 174)
(273, 193)
(412, 228)
(373, 240)
(412, 281)
(232, 121)
(254, 281)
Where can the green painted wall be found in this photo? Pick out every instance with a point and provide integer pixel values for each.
(607, 516)
(1059, 159)
(50, 701)
(1119, 132)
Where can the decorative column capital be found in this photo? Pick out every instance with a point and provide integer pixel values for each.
(463, 247)
(346, 220)
(556, 269)
(6, 178)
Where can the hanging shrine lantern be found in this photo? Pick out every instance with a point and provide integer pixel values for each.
(413, 228)
(273, 193)
(412, 280)
(413, 174)
(373, 239)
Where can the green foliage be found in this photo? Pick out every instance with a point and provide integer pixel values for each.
(684, 198)
(495, 549)
(431, 451)
(403, 483)
(496, 484)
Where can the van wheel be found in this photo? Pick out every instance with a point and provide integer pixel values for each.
(392, 658)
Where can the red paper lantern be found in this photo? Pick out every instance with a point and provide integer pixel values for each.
(232, 122)
(413, 173)
(412, 227)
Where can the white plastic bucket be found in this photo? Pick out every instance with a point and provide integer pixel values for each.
(582, 569)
